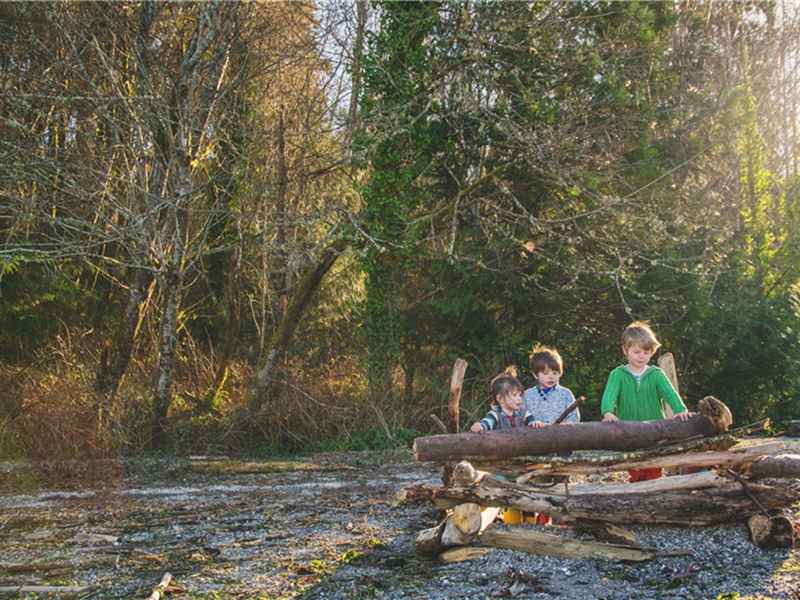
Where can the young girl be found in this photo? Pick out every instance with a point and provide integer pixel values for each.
(507, 394)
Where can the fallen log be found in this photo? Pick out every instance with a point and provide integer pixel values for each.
(466, 522)
(775, 467)
(44, 589)
(536, 542)
(158, 591)
(722, 503)
(454, 555)
(735, 458)
(713, 418)
(771, 531)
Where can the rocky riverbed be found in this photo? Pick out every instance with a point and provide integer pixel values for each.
(327, 528)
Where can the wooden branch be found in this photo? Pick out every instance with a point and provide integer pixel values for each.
(158, 591)
(442, 427)
(735, 458)
(692, 481)
(237, 466)
(569, 409)
(751, 428)
(714, 418)
(536, 542)
(456, 381)
(463, 553)
(603, 458)
(42, 589)
(666, 362)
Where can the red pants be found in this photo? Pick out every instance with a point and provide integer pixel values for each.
(644, 475)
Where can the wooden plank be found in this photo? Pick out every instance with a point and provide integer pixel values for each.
(536, 542)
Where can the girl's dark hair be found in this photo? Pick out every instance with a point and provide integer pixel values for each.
(505, 383)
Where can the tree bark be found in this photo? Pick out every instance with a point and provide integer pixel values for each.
(461, 526)
(776, 467)
(621, 435)
(699, 506)
(537, 542)
(297, 306)
(731, 459)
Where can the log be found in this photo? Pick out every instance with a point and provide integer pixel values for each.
(771, 531)
(462, 525)
(776, 467)
(735, 458)
(536, 542)
(714, 418)
(158, 591)
(729, 502)
(464, 553)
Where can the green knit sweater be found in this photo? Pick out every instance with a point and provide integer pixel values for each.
(633, 400)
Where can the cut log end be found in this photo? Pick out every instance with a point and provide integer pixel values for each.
(771, 532)
(715, 411)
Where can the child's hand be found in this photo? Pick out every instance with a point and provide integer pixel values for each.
(537, 424)
(610, 417)
(684, 416)
(477, 428)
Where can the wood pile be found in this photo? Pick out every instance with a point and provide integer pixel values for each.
(716, 476)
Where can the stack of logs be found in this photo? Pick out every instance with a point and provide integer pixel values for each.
(723, 479)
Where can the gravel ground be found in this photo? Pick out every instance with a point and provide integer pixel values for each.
(328, 534)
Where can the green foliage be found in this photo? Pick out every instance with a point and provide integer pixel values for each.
(377, 438)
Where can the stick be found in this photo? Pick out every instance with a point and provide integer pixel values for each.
(439, 424)
(569, 409)
(162, 585)
(456, 381)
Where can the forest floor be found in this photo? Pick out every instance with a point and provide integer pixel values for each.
(325, 529)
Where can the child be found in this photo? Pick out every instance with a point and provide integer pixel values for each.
(507, 394)
(634, 392)
(548, 400)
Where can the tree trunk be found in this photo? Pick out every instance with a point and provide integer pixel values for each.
(621, 435)
(297, 306)
(116, 356)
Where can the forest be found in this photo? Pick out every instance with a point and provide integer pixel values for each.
(273, 227)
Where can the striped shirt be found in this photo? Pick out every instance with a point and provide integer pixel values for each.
(497, 419)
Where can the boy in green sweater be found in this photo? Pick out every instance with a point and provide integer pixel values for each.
(635, 391)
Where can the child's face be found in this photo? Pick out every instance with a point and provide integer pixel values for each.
(510, 402)
(547, 378)
(637, 356)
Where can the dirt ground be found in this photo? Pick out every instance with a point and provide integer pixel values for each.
(325, 529)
